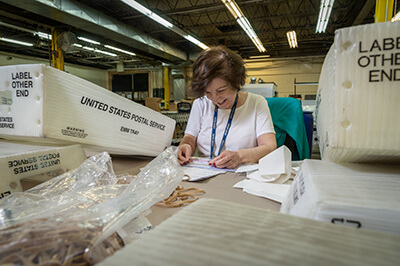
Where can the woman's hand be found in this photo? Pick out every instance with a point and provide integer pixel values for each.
(232, 159)
(184, 153)
(186, 149)
(227, 159)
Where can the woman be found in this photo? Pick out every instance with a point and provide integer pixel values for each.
(227, 125)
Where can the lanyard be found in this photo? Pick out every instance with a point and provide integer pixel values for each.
(228, 126)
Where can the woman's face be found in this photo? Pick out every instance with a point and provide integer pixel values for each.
(221, 93)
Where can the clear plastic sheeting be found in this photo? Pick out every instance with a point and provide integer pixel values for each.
(72, 219)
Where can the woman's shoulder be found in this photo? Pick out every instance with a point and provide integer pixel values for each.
(202, 102)
(255, 98)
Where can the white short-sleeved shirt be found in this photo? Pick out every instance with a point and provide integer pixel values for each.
(250, 121)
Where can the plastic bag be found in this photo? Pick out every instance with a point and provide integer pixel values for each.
(73, 218)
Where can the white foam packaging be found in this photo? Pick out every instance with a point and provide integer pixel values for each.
(54, 106)
(34, 163)
(357, 109)
(356, 195)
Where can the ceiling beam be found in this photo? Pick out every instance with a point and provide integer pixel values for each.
(364, 12)
(89, 20)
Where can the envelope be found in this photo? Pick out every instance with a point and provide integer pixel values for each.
(275, 165)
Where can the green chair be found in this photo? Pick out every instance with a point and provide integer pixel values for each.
(287, 116)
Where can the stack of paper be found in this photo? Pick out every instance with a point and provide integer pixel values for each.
(34, 163)
(267, 178)
(358, 95)
(213, 232)
(357, 195)
(199, 169)
(51, 105)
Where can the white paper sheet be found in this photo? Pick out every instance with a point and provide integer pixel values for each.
(276, 192)
(198, 173)
(201, 162)
(276, 163)
(274, 167)
(257, 176)
(247, 168)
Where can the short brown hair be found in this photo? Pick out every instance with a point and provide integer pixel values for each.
(217, 62)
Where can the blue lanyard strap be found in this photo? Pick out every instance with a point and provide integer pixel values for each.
(228, 126)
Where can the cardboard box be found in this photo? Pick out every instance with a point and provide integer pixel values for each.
(357, 108)
(34, 164)
(50, 105)
(356, 195)
(153, 103)
(173, 106)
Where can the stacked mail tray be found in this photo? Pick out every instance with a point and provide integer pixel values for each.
(214, 232)
(357, 107)
(34, 163)
(45, 104)
(364, 196)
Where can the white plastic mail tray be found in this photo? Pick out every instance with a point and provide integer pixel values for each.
(34, 163)
(51, 105)
(365, 196)
(357, 107)
(214, 232)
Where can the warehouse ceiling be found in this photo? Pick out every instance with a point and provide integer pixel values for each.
(112, 22)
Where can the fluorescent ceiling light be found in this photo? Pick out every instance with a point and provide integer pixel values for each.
(138, 7)
(244, 23)
(16, 27)
(101, 51)
(98, 50)
(88, 40)
(259, 56)
(195, 41)
(119, 50)
(43, 35)
(15, 41)
(191, 39)
(104, 52)
(203, 46)
(145, 11)
(325, 10)
(148, 13)
(161, 21)
(88, 48)
(291, 37)
(233, 8)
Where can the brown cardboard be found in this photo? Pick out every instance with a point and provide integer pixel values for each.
(153, 103)
(173, 106)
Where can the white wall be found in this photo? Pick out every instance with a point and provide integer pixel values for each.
(283, 72)
(94, 75)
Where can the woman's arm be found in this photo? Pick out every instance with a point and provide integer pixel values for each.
(231, 159)
(186, 148)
